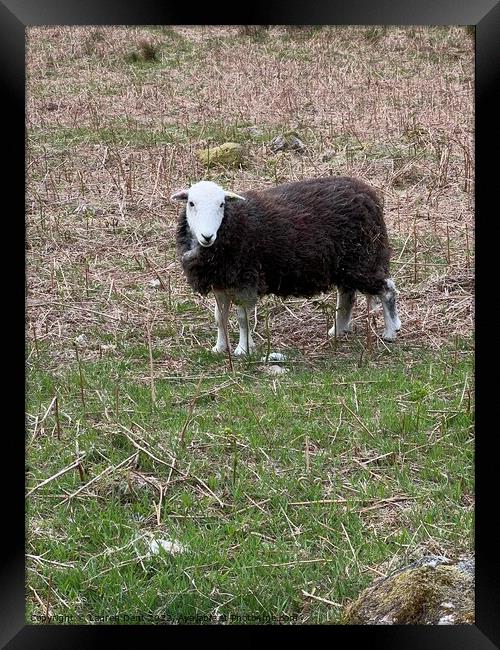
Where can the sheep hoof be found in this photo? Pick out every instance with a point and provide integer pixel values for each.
(341, 330)
(219, 350)
(389, 337)
(239, 352)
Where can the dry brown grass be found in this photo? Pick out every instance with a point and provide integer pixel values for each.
(393, 107)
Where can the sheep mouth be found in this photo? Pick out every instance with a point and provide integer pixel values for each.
(205, 245)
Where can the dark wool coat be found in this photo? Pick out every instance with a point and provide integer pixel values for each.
(296, 239)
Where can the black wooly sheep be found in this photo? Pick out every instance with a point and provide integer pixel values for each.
(296, 239)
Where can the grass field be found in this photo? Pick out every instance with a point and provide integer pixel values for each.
(163, 481)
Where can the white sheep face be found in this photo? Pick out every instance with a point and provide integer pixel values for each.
(205, 209)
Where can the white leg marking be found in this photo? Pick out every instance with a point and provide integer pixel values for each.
(245, 344)
(221, 319)
(343, 313)
(392, 324)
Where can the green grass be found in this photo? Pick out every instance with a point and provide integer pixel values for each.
(120, 131)
(399, 429)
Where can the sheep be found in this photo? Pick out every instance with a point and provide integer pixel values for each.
(296, 239)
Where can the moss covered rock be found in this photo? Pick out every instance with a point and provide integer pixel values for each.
(229, 154)
(431, 591)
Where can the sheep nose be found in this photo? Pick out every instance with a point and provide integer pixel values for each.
(207, 238)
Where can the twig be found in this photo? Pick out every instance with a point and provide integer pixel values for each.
(58, 424)
(140, 448)
(106, 471)
(190, 411)
(172, 467)
(158, 506)
(384, 502)
(357, 418)
(39, 600)
(349, 542)
(48, 409)
(235, 458)
(169, 477)
(322, 600)
(257, 505)
(448, 254)
(41, 560)
(49, 589)
(308, 503)
(221, 503)
(151, 369)
(73, 465)
(415, 251)
(86, 277)
(277, 564)
(35, 339)
(81, 376)
(37, 303)
(160, 162)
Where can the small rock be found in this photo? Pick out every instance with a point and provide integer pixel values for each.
(229, 154)
(275, 370)
(447, 605)
(288, 141)
(154, 283)
(167, 545)
(254, 131)
(273, 356)
(328, 155)
(467, 566)
(448, 619)
(108, 347)
(278, 143)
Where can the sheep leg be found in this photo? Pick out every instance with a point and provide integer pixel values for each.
(345, 302)
(222, 303)
(245, 344)
(373, 302)
(392, 324)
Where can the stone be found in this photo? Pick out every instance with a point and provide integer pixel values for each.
(431, 591)
(289, 140)
(254, 131)
(329, 154)
(275, 370)
(274, 356)
(229, 154)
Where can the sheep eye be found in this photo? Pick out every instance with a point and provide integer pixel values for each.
(222, 204)
(191, 204)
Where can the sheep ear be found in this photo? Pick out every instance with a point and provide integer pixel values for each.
(231, 196)
(182, 195)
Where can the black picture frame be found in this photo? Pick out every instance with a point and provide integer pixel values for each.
(15, 16)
